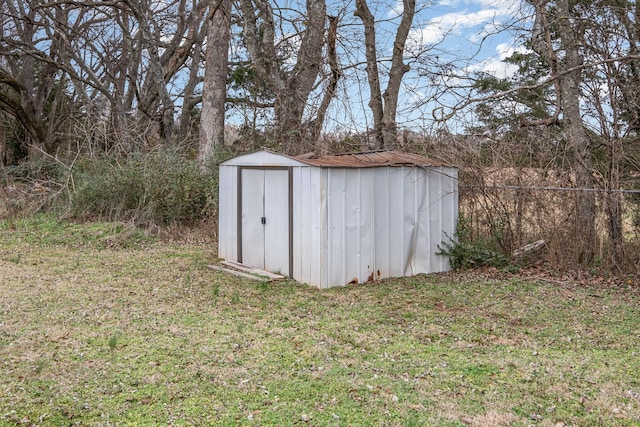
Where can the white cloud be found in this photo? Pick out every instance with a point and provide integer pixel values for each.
(498, 4)
(451, 24)
(495, 68)
(463, 17)
(505, 50)
(495, 65)
(449, 3)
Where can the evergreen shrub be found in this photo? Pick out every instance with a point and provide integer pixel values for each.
(464, 251)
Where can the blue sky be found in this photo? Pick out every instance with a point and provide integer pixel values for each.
(477, 35)
(471, 36)
(482, 26)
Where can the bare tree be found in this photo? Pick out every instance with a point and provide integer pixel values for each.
(384, 106)
(291, 86)
(168, 35)
(118, 62)
(199, 28)
(315, 126)
(31, 89)
(579, 83)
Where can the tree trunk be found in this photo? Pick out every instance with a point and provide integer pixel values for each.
(332, 58)
(289, 131)
(373, 76)
(614, 203)
(397, 72)
(291, 88)
(290, 105)
(215, 81)
(385, 106)
(567, 69)
(199, 30)
(576, 135)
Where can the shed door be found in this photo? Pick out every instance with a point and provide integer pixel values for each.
(265, 219)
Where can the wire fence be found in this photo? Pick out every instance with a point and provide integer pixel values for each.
(567, 189)
(509, 215)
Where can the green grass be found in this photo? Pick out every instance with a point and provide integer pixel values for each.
(95, 334)
(49, 230)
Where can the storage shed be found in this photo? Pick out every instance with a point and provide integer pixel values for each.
(337, 219)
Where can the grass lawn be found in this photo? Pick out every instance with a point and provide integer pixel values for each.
(101, 326)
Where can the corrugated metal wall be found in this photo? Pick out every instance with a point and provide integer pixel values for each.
(386, 222)
(349, 227)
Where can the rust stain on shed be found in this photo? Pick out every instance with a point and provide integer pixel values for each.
(368, 159)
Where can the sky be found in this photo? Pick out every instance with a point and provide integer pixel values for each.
(475, 35)
(480, 33)
(471, 25)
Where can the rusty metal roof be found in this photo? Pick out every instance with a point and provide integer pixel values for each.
(367, 160)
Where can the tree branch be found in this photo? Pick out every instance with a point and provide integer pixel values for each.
(551, 80)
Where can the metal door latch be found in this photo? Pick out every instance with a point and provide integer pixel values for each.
(263, 220)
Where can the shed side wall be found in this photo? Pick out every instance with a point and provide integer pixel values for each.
(410, 228)
(387, 222)
(390, 237)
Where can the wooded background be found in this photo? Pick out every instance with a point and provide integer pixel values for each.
(550, 152)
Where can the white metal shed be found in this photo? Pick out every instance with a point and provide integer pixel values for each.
(338, 219)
